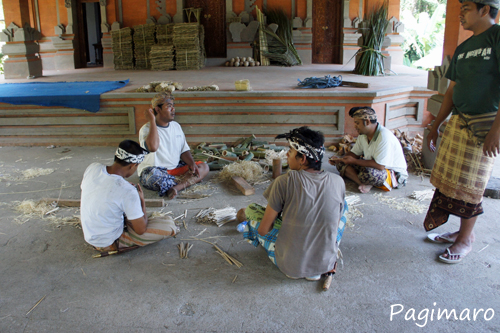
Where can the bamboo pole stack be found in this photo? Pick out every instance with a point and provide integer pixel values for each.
(188, 39)
(164, 34)
(122, 45)
(144, 39)
(162, 57)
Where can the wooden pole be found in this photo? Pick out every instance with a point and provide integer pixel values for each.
(276, 167)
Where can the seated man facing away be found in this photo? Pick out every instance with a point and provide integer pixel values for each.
(169, 152)
(377, 158)
(303, 242)
(113, 211)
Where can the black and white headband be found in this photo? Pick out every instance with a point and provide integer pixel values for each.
(128, 157)
(298, 142)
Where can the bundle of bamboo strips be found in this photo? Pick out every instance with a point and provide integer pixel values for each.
(227, 257)
(216, 216)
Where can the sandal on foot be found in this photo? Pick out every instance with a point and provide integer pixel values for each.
(445, 240)
(447, 260)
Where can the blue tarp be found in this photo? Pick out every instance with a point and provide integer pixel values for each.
(78, 95)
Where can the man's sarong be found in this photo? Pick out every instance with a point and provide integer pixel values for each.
(255, 213)
(160, 179)
(442, 206)
(367, 176)
(460, 174)
(461, 170)
(158, 228)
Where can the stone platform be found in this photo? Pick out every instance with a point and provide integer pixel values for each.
(274, 105)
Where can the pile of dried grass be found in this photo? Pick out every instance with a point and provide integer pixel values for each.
(36, 172)
(250, 171)
(273, 154)
(30, 208)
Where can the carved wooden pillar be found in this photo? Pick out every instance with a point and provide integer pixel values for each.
(21, 48)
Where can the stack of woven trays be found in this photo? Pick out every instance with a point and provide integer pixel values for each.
(162, 57)
(164, 34)
(123, 48)
(144, 38)
(188, 41)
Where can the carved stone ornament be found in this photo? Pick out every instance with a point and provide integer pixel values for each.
(67, 3)
(102, 3)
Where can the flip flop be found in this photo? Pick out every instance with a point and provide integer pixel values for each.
(461, 256)
(445, 240)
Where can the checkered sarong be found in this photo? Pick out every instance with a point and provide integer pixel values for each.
(255, 212)
(461, 170)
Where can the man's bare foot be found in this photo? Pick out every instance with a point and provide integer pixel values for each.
(171, 193)
(364, 188)
(241, 216)
(451, 237)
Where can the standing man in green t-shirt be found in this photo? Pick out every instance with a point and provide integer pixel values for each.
(463, 166)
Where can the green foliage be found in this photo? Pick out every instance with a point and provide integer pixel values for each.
(280, 44)
(1, 63)
(370, 61)
(424, 22)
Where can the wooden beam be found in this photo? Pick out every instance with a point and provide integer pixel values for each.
(243, 186)
(76, 202)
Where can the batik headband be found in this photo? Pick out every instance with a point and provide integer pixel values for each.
(128, 157)
(364, 113)
(298, 142)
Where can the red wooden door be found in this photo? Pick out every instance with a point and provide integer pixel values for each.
(327, 31)
(213, 19)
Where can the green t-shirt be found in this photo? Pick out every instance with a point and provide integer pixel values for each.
(475, 68)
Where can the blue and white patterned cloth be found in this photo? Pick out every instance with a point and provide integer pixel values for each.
(255, 212)
(158, 179)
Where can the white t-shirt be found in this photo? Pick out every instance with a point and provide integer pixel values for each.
(384, 148)
(172, 145)
(105, 198)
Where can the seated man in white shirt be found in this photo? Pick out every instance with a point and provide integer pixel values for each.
(169, 152)
(377, 158)
(113, 211)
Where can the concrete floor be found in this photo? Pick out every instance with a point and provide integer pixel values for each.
(386, 262)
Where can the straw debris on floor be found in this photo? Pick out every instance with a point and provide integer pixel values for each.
(401, 203)
(422, 195)
(353, 212)
(41, 209)
(36, 172)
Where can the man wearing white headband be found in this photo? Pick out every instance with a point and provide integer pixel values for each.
(170, 155)
(113, 211)
(376, 159)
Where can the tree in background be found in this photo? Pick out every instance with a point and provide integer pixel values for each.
(424, 22)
